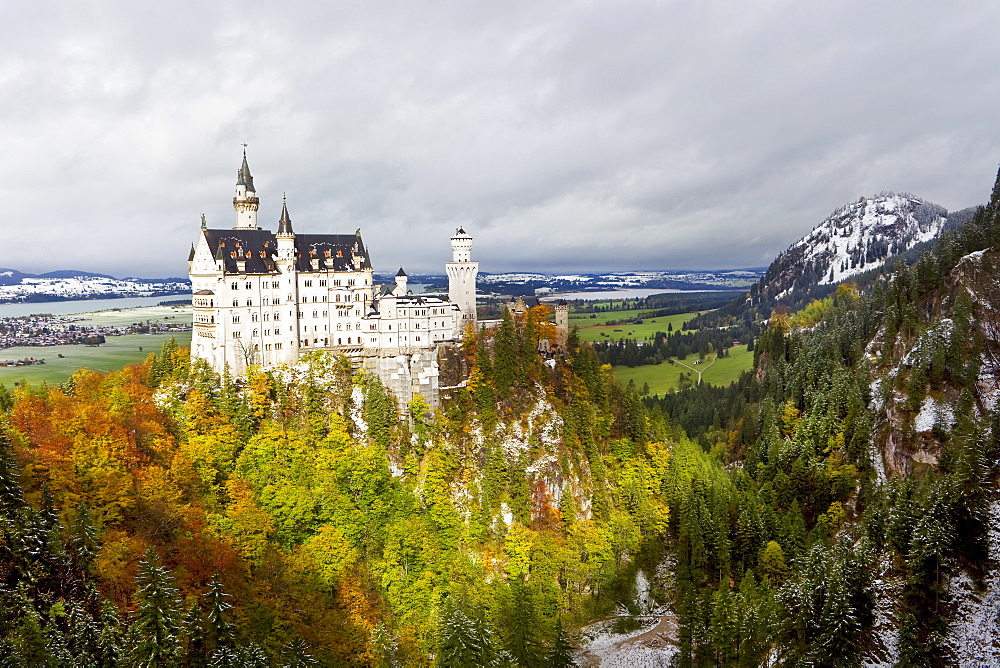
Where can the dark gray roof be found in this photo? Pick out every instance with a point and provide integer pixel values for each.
(285, 222)
(400, 272)
(191, 254)
(243, 177)
(258, 247)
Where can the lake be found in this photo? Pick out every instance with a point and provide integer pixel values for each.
(626, 293)
(83, 305)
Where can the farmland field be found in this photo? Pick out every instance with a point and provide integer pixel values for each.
(594, 329)
(663, 377)
(118, 352)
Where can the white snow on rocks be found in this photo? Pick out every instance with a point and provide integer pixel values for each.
(933, 412)
(974, 634)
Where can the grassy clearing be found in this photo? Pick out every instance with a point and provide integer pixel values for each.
(595, 330)
(117, 353)
(663, 378)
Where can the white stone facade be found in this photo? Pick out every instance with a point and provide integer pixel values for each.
(261, 298)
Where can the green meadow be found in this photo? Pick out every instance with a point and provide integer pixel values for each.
(117, 353)
(595, 329)
(663, 378)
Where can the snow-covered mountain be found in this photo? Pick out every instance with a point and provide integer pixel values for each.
(854, 239)
(16, 286)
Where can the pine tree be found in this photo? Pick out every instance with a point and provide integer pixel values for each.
(219, 628)
(157, 626)
(561, 652)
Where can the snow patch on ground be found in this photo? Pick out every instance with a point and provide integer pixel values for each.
(933, 412)
(602, 647)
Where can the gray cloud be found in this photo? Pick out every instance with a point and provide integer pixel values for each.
(565, 136)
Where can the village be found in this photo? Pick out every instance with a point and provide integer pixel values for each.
(49, 330)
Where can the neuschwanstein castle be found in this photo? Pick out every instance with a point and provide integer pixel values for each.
(264, 298)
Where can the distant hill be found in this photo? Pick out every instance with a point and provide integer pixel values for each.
(68, 284)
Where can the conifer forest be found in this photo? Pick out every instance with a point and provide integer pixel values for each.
(829, 508)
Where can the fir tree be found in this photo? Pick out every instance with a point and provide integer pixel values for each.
(157, 627)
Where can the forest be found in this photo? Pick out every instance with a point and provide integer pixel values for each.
(162, 515)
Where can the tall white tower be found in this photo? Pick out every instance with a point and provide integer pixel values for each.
(246, 201)
(462, 272)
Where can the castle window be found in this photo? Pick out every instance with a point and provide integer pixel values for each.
(325, 313)
(247, 285)
(348, 327)
(418, 338)
(267, 316)
(338, 327)
(277, 346)
(315, 313)
(300, 314)
(324, 298)
(308, 284)
(340, 342)
(249, 302)
(322, 283)
(275, 285)
(350, 282)
(255, 333)
(236, 335)
(253, 317)
(265, 301)
(236, 318)
(338, 299)
(314, 299)
(236, 286)
(337, 283)
(277, 315)
(357, 297)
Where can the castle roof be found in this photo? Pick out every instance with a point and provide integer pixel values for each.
(400, 272)
(285, 222)
(257, 248)
(243, 177)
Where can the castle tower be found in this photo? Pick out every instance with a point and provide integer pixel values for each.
(401, 290)
(285, 260)
(246, 201)
(562, 323)
(462, 272)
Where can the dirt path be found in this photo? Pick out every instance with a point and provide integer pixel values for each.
(696, 370)
(664, 633)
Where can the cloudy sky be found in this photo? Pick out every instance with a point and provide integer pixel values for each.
(565, 136)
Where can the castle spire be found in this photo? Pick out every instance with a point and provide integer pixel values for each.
(246, 201)
(285, 222)
(244, 178)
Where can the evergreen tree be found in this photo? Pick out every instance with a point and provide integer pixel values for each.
(157, 629)
(561, 653)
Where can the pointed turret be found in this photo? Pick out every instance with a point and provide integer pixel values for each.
(401, 290)
(191, 254)
(246, 201)
(285, 222)
(243, 177)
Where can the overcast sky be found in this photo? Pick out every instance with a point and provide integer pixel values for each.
(579, 136)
